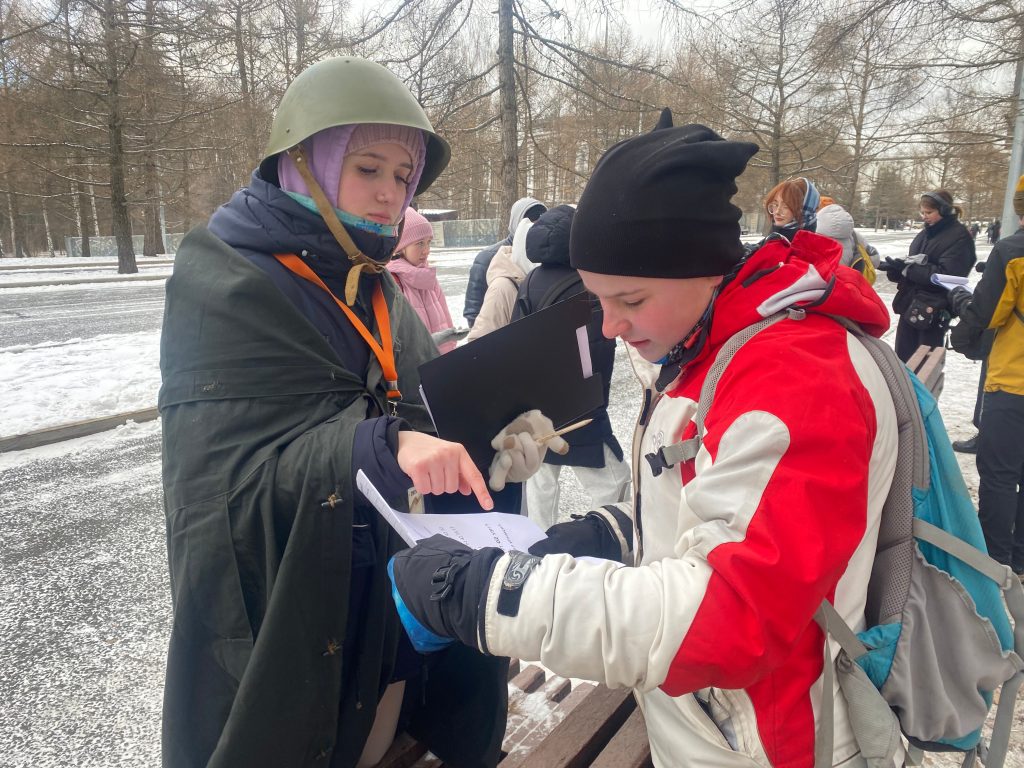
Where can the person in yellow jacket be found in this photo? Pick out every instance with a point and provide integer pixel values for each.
(997, 304)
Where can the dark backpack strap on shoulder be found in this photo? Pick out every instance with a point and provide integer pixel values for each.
(554, 294)
(522, 307)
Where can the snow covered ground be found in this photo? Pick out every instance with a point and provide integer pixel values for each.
(49, 383)
(84, 609)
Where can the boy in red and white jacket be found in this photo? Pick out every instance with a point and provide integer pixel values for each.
(709, 616)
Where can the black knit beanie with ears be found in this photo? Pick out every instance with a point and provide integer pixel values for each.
(658, 205)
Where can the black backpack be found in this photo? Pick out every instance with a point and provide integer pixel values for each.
(562, 289)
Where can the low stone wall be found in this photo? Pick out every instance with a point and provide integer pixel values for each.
(106, 247)
(447, 234)
(466, 233)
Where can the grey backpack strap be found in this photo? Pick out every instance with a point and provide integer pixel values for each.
(1013, 593)
(686, 450)
(875, 726)
(999, 742)
(874, 723)
(670, 455)
(960, 549)
(824, 739)
(832, 623)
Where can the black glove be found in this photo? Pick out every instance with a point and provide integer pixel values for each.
(959, 299)
(606, 533)
(440, 586)
(893, 268)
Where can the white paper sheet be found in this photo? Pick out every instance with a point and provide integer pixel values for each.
(949, 282)
(477, 530)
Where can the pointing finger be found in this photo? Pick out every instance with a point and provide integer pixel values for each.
(469, 472)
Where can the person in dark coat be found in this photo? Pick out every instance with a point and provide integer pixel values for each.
(523, 208)
(289, 361)
(943, 246)
(993, 231)
(594, 454)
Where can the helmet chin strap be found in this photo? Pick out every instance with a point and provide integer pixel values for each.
(360, 261)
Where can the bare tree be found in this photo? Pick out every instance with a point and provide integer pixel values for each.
(153, 241)
(119, 52)
(122, 110)
(10, 30)
(876, 87)
(509, 109)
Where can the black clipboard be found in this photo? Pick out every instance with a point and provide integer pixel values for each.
(475, 390)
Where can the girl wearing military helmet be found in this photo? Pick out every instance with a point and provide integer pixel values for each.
(289, 361)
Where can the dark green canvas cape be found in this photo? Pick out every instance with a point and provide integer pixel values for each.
(258, 422)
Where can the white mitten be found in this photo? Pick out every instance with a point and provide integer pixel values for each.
(520, 448)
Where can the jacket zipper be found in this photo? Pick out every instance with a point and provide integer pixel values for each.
(650, 401)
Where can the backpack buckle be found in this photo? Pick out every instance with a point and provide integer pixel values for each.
(670, 455)
(657, 462)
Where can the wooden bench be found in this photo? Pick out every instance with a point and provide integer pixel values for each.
(927, 363)
(554, 724)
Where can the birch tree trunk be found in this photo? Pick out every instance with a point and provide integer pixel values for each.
(46, 229)
(17, 246)
(509, 113)
(83, 230)
(95, 213)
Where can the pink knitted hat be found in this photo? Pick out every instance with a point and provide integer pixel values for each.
(410, 139)
(326, 150)
(416, 228)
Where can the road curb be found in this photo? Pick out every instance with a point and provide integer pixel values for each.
(155, 262)
(70, 431)
(136, 278)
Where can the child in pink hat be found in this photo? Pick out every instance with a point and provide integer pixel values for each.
(417, 279)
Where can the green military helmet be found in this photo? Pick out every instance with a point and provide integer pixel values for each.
(346, 91)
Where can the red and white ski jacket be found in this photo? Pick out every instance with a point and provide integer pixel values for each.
(714, 625)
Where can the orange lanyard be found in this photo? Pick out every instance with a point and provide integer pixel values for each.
(385, 353)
